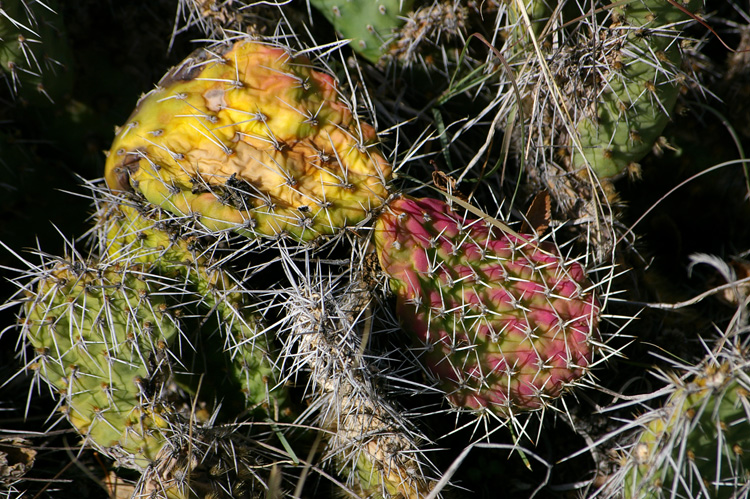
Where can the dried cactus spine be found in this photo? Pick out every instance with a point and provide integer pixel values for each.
(426, 31)
(248, 138)
(378, 451)
(505, 325)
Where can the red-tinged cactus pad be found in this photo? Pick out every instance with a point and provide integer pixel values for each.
(505, 323)
(249, 138)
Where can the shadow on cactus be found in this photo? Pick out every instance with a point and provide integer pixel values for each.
(596, 90)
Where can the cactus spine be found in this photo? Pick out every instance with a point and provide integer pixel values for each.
(34, 54)
(371, 443)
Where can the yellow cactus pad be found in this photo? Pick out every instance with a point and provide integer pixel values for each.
(246, 137)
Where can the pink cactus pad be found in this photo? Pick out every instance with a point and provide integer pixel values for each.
(505, 323)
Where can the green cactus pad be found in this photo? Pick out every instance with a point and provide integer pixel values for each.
(369, 23)
(697, 444)
(640, 89)
(137, 235)
(101, 336)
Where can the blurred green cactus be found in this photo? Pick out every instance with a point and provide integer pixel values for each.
(35, 58)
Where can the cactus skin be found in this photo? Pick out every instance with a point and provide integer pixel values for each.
(639, 90)
(248, 138)
(135, 235)
(377, 474)
(699, 439)
(101, 335)
(34, 54)
(370, 23)
(505, 325)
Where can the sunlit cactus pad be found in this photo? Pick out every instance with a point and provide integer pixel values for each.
(100, 336)
(504, 324)
(249, 138)
(369, 23)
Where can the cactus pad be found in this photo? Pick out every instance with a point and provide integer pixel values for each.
(101, 338)
(369, 23)
(696, 445)
(249, 138)
(639, 90)
(505, 324)
(140, 235)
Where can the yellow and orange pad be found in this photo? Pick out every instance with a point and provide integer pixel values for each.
(249, 138)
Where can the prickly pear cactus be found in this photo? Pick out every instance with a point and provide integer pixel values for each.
(107, 334)
(595, 96)
(369, 23)
(504, 324)
(100, 336)
(640, 88)
(137, 234)
(246, 137)
(696, 444)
